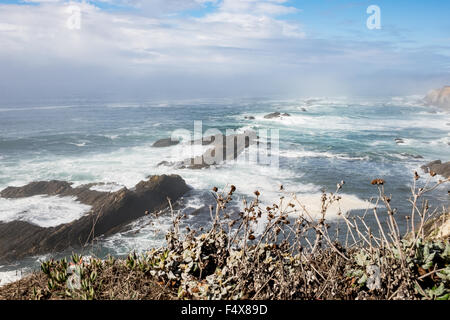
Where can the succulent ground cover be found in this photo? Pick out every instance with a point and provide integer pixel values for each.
(295, 256)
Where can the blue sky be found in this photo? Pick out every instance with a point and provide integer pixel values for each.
(197, 48)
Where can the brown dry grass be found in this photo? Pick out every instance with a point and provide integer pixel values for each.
(117, 283)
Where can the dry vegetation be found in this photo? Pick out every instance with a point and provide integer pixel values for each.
(296, 256)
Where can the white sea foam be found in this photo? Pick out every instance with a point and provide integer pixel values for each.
(44, 211)
(80, 144)
(309, 207)
(107, 187)
(34, 108)
(347, 203)
(10, 276)
(143, 234)
(300, 121)
(111, 136)
(443, 141)
(317, 154)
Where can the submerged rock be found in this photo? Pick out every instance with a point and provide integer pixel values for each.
(276, 115)
(437, 167)
(109, 214)
(409, 155)
(399, 141)
(167, 142)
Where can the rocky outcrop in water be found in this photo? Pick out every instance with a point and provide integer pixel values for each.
(109, 214)
(222, 148)
(275, 115)
(439, 98)
(437, 167)
(167, 142)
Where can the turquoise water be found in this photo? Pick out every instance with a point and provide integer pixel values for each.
(333, 140)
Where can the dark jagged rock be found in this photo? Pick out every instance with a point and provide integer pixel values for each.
(272, 115)
(110, 212)
(53, 187)
(409, 155)
(249, 117)
(277, 114)
(167, 142)
(442, 169)
(223, 148)
(399, 141)
(164, 163)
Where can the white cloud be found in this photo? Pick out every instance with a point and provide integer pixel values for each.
(245, 45)
(40, 33)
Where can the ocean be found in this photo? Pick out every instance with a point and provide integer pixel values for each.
(322, 142)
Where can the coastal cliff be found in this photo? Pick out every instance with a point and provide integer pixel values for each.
(439, 98)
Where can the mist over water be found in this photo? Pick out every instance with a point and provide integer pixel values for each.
(323, 142)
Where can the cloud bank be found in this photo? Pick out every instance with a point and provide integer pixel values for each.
(194, 48)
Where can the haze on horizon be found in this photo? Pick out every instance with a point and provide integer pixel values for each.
(221, 48)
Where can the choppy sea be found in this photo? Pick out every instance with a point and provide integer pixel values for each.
(323, 141)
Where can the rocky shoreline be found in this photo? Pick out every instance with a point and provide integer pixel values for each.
(110, 212)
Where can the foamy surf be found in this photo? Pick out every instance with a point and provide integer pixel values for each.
(107, 187)
(312, 205)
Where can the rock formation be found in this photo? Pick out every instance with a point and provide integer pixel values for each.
(274, 115)
(437, 167)
(167, 142)
(222, 148)
(439, 98)
(110, 212)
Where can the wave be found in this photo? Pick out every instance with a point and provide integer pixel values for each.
(142, 235)
(34, 108)
(317, 154)
(107, 187)
(348, 203)
(309, 206)
(44, 211)
(80, 144)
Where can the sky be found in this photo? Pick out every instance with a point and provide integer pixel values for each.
(173, 49)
